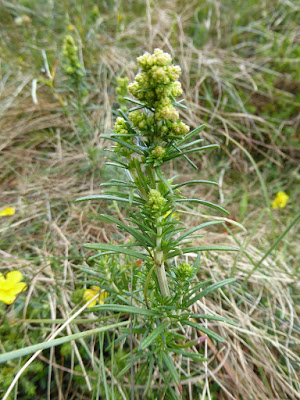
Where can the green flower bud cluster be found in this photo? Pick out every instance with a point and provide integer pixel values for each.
(176, 128)
(156, 156)
(158, 153)
(157, 84)
(71, 63)
(121, 128)
(165, 111)
(141, 121)
(148, 60)
(122, 89)
(184, 271)
(156, 203)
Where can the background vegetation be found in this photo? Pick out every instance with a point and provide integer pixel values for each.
(241, 77)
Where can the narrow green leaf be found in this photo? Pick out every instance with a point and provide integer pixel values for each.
(195, 288)
(206, 331)
(118, 340)
(185, 157)
(142, 226)
(167, 380)
(136, 358)
(122, 184)
(190, 238)
(170, 366)
(143, 239)
(189, 354)
(150, 376)
(153, 335)
(178, 252)
(191, 134)
(135, 108)
(204, 203)
(123, 195)
(193, 165)
(115, 162)
(118, 165)
(165, 181)
(194, 182)
(180, 105)
(193, 143)
(210, 289)
(104, 197)
(202, 148)
(56, 342)
(174, 155)
(123, 143)
(134, 101)
(116, 250)
(198, 227)
(125, 309)
(196, 263)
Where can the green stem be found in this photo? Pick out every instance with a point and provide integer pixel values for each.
(162, 280)
(159, 264)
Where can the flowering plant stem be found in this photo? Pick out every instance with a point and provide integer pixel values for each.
(146, 137)
(159, 264)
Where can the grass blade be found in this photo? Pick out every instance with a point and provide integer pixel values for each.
(56, 342)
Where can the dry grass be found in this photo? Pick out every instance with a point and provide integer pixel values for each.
(43, 168)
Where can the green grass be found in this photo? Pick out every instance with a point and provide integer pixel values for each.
(240, 64)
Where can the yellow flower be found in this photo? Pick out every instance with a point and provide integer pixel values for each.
(11, 286)
(280, 200)
(173, 215)
(7, 211)
(90, 293)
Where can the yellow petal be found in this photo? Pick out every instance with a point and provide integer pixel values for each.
(88, 295)
(104, 295)
(280, 200)
(167, 214)
(14, 277)
(7, 211)
(6, 298)
(3, 285)
(92, 304)
(18, 288)
(95, 288)
(274, 204)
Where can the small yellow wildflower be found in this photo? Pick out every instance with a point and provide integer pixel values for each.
(90, 293)
(173, 215)
(280, 200)
(11, 286)
(7, 211)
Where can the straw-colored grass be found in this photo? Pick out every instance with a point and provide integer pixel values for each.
(48, 157)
